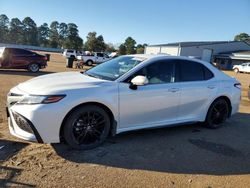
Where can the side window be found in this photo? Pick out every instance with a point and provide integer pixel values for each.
(191, 71)
(99, 54)
(207, 73)
(157, 73)
(19, 52)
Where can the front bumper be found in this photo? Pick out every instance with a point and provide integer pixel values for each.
(37, 123)
(21, 127)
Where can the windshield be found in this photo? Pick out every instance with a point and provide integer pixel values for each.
(113, 69)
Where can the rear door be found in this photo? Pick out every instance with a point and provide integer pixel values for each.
(197, 86)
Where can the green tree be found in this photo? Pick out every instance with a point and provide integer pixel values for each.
(140, 48)
(16, 31)
(73, 40)
(130, 45)
(122, 49)
(110, 47)
(94, 43)
(4, 23)
(242, 37)
(43, 35)
(63, 30)
(30, 31)
(100, 46)
(54, 35)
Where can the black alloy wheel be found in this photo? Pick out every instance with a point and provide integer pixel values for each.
(86, 127)
(217, 113)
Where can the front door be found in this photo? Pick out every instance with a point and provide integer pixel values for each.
(153, 104)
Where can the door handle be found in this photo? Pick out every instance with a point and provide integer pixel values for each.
(173, 90)
(211, 87)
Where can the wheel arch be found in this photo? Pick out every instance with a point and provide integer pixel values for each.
(113, 122)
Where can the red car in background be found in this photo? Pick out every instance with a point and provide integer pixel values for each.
(17, 58)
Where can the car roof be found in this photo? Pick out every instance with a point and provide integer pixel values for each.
(166, 56)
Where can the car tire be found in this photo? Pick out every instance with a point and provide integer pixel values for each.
(217, 113)
(86, 127)
(236, 70)
(89, 63)
(33, 67)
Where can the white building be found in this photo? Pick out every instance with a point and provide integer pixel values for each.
(208, 51)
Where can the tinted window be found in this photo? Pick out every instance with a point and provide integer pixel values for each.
(193, 71)
(21, 52)
(99, 54)
(207, 73)
(157, 73)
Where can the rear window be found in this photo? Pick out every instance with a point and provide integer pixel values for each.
(21, 52)
(193, 71)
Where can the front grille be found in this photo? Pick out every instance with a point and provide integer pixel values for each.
(22, 123)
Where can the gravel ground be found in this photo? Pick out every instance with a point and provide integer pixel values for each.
(184, 156)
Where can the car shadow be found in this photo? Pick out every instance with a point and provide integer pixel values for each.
(7, 150)
(23, 72)
(10, 174)
(188, 149)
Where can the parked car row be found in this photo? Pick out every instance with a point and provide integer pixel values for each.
(15, 58)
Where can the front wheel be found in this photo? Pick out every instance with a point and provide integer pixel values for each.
(217, 113)
(33, 67)
(236, 70)
(86, 127)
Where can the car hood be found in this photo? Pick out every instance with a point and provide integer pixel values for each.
(58, 82)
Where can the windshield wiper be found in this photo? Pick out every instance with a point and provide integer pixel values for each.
(91, 75)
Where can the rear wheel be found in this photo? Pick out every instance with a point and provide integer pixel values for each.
(33, 67)
(86, 127)
(217, 113)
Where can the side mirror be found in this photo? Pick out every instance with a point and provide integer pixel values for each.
(138, 81)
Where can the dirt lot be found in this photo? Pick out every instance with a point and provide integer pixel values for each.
(185, 156)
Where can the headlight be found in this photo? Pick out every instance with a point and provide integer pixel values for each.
(40, 99)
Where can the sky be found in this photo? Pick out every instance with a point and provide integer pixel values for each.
(147, 21)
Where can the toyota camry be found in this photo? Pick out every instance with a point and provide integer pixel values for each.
(126, 93)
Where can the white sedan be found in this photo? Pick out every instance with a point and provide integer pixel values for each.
(126, 93)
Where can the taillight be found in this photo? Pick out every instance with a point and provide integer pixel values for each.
(237, 85)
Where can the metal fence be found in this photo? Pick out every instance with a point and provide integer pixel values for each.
(29, 47)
